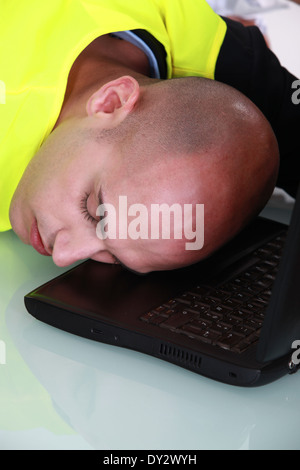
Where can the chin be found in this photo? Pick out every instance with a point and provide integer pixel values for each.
(18, 225)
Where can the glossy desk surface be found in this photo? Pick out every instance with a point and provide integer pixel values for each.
(59, 391)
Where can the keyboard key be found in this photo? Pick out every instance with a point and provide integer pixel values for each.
(254, 306)
(239, 281)
(231, 303)
(240, 314)
(270, 277)
(220, 327)
(243, 330)
(177, 320)
(199, 307)
(264, 252)
(265, 295)
(234, 320)
(193, 328)
(200, 324)
(250, 275)
(160, 309)
(170, 304)
(206, 300)
(262, 268)
(148, 316)
(229, 340)
(156, 320)
(220, 309)
(241, 296)
(206, 336)
(253, 289)
(209, 337)
(263, 283)
(253, 323)
(211, 316)
(166, 312)
(241, 346)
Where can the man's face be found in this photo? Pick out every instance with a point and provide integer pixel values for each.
(55, 205)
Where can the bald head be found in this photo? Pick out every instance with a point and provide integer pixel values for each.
(172, 144)
(196, 141)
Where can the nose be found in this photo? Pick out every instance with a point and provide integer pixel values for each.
(69, 248)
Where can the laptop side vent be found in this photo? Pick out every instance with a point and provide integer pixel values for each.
(180, 356)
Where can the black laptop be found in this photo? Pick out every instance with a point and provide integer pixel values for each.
(234, 317)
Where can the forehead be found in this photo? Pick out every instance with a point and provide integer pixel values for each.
(160, 181)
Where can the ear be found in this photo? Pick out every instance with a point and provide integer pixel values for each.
(115, 100)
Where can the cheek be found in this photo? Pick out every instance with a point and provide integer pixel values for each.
(37, 186)
(133, 256)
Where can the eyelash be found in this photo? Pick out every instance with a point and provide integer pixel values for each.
(84, 209)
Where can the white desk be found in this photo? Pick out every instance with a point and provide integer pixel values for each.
(58, 391)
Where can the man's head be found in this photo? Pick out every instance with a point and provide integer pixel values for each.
(184, 141)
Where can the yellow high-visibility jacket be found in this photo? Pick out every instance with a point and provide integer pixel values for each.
(40, 41)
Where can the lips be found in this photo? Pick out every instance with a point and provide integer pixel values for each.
(36, 240)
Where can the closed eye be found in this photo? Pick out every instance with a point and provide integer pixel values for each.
(84, 210)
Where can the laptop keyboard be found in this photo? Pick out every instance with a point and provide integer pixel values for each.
(229, 315)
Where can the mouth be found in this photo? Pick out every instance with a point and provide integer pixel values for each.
(36, 240)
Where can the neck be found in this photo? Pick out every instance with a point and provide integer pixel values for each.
(105, 59)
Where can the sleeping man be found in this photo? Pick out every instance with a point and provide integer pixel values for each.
(117, 103)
